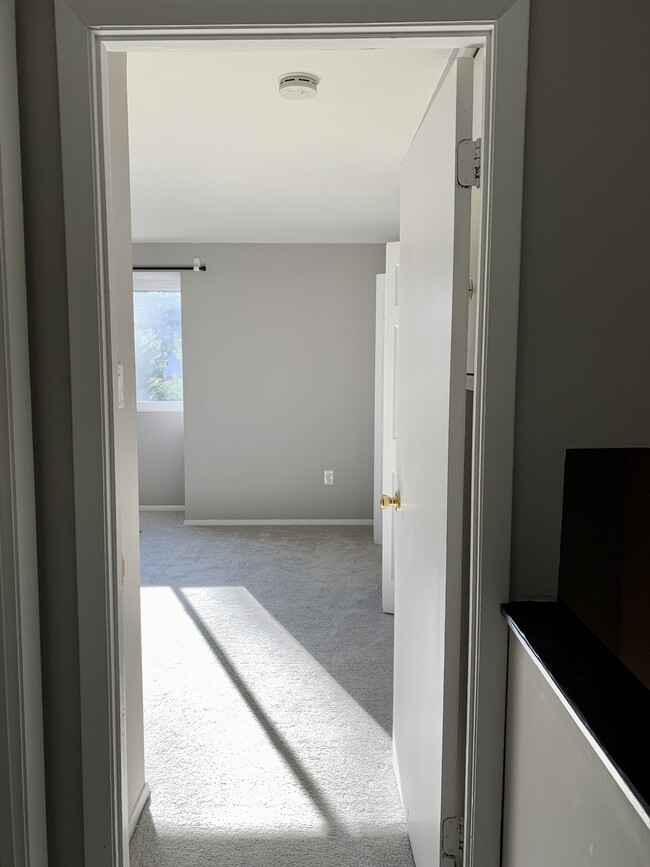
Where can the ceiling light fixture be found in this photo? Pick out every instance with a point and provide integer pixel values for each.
(298, 85)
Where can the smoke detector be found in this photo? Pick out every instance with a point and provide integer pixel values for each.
(298, 85)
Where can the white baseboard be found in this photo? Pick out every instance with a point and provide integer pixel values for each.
(279, 522)
(138, 807)
(162, 508)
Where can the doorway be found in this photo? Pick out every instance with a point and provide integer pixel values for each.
(480, 445)
(277, 351)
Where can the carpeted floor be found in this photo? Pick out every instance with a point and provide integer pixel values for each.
(268, 692)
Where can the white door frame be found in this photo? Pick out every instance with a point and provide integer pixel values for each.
(22, 777)
(86, 29)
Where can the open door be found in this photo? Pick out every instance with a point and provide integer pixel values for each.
(380, 339)
(430, 382)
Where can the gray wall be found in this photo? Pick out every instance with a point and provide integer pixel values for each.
(161, 458)
(278, 369)
(585, 305)
(23, 838)
(120, 282)
(584, 312)
(561, 805)
(47, 303)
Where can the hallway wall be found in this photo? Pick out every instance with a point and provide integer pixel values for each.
(583, 323)
(278, 378)
(22, 772)
(49, 351)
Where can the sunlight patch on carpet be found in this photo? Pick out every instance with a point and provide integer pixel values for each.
(246, 734)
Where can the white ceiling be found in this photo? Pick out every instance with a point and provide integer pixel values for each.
(218, 156)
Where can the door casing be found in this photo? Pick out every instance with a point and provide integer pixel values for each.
(86, 30)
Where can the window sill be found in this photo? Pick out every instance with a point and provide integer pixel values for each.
(159, 406)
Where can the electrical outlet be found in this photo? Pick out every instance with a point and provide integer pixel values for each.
(328, 477)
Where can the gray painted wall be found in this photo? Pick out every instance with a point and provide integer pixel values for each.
(47, 307)
(561, 805)
(278, 369)
(583, 328)
(583, 323)
(120, 283)
(23, 838)
(161, 474)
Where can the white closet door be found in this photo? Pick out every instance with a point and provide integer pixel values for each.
(391, 317)
(380, 333)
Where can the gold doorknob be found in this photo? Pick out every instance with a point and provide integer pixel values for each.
(385, 501)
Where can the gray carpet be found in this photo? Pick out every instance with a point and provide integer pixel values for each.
(268, 690)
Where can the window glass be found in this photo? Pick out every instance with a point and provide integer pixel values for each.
(158, 345)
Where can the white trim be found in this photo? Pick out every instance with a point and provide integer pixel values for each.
(279, 522)
(84, 29)
(497, 320)
(162, 508)
(584, 729)
(159, 406)
(157, 281)
(138, 807)
(131, 17)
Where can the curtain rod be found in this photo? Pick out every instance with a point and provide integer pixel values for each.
(170, 268)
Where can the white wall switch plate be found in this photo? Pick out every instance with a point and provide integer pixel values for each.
(120, 386)
(328, 477)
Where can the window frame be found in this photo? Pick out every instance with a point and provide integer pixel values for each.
(158, 405)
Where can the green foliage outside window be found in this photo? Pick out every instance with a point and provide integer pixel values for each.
(158, 346)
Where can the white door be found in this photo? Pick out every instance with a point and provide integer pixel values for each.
(380, 335)
(432, 352)
(389, 468)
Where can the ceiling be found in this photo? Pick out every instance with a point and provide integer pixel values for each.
(218, 156)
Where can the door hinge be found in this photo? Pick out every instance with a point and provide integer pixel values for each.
(468, 163)
(452, 840)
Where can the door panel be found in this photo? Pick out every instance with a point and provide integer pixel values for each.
(389, 469)
(430, 381)
(380, 339)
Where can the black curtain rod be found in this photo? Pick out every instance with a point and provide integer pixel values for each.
(169, 268)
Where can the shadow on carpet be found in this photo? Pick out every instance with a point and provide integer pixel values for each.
(257, 753)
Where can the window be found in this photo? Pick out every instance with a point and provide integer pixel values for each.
(158, 340)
